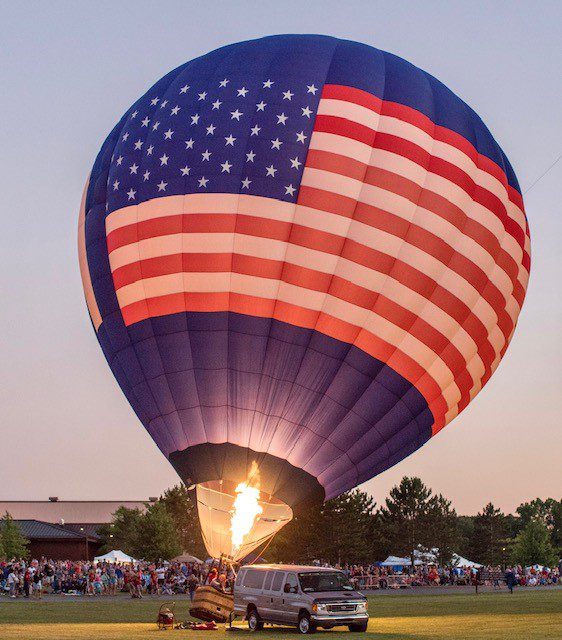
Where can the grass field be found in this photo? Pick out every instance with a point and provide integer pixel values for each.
(492, 616)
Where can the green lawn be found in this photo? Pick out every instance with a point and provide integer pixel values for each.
(530, 614)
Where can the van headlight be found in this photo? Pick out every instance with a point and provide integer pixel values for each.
(362, 607)
(319, 608)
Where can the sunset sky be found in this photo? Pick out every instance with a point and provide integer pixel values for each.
(69, 71)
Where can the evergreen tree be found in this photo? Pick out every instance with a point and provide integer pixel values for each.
(488, 539)
(405, 520)
(350, 521)
(13, 544)
(443, 528)
(533, 546)
(186, 519)
(342, 529)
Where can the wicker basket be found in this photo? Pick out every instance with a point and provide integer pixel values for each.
(211, 604)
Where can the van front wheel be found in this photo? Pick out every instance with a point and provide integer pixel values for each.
(255, 623)
(359, 627)
(305, 624)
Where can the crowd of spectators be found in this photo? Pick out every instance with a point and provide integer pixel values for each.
(376, 576)
(33, 579)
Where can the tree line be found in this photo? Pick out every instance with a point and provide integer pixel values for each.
(348, 529)
(352, 528)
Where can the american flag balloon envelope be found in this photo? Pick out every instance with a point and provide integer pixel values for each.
(302, 258)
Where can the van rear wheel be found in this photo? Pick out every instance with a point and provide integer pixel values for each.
(305, 624)
(359, 627)
(255, 623)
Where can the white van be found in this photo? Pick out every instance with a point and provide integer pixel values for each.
(306, 597)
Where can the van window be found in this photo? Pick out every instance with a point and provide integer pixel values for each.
(268, 579)
(291, 583)
(278, 581)
(239, 578)
(254, 579)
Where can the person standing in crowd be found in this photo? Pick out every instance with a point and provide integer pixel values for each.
(37, 583)
(13, 582)
(26, 582)
(510, 579)
(192, 584)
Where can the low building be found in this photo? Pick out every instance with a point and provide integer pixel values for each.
(65, 529)
(56, 541)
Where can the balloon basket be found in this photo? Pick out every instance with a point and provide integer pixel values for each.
(209, 604)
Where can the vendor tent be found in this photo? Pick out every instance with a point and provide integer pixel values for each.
(186, 557)
(459, 561)
(114, 556)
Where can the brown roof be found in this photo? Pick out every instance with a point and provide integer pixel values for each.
(71, 511)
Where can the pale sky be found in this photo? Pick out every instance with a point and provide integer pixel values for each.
(69, 70)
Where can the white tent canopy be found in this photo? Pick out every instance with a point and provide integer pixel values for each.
(187, 557)
(459, 561)
(114, 556)
(429, 557)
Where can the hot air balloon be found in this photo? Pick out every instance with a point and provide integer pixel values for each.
(302, 258)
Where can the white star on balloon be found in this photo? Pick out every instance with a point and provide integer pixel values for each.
(295, 164)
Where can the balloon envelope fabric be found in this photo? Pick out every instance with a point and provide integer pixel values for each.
(304, 252)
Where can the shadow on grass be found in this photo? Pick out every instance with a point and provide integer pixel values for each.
(240, 632)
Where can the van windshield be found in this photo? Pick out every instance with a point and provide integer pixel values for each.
(324, 581)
